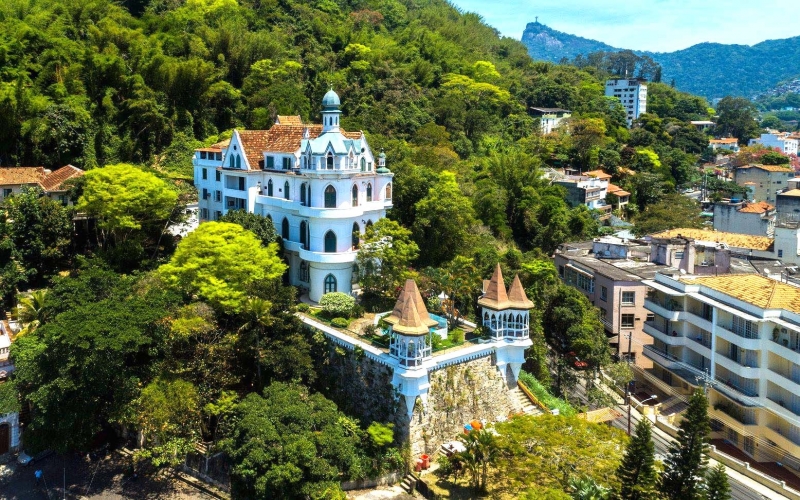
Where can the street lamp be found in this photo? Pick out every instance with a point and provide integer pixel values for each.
(654, 396)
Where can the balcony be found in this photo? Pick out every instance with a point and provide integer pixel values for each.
(782, 350)
(790, 384)
(780, 404)
(654, 331)
(725, 411)
(744, 343)
(328, 258)
(784, 438)
(735, 367)
(670, 311)
(698, 320)
(675, 365)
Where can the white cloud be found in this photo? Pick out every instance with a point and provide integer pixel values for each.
(656, 25)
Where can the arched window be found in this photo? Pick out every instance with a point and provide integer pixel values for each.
(363, 164)
(304, 162)
(303, 194)
(389, 191)
(330, 283)
(330, 197)
(285, 229)
(369, 223)
(286, 190)
(329, 162)
(238, 161)
(355, 195)
(231, 161)
(269, 188)
(308, 196)
(303, 238)
(369, 192)
(330, 242)
(302, 272)
(356, 234)
(269, 217)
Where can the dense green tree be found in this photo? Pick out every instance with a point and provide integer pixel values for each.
(169, 417)
(637, 474)
(717, 487)
(218, 261)
(737, 118)
(126, 200)
(673, 211)
(686, 463)
(36, 233)
(445, 222)
(384, 258)
(257, 224)
(289, 444)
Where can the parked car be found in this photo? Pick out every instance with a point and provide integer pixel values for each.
(25, 459)
(577, 363)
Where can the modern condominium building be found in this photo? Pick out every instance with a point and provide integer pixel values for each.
(741, 334)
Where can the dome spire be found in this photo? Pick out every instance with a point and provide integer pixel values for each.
(330, 111)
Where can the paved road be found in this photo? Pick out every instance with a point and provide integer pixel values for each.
(739, 490)
(101, 479)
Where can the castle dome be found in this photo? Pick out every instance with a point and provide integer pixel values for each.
(331, 100)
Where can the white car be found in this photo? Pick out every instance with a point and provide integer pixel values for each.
(25, 459)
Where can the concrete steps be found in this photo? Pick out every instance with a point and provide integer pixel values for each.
(409, 484)
(521, 403)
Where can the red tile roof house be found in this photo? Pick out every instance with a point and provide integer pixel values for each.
(13, 179)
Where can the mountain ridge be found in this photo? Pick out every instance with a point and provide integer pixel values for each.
(709, 69)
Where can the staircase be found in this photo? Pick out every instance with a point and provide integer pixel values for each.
(409, 484)
(522, 404)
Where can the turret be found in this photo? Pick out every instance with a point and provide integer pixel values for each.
(330, 112)
(505, 315)
(382, 163)
(410, 328)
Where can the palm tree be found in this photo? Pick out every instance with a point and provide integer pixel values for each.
(29, 310)
(257, 317)
(481, 451)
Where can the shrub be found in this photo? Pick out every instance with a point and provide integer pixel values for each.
(369, 330)
(337, 303)
(339, 322)
(357, 311)
(303, 307)
(456, 335)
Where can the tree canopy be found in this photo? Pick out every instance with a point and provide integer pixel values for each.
(218, 261)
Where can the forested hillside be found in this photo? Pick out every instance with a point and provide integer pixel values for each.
(707, 69)
(126, 327)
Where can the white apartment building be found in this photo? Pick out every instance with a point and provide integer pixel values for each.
(632, 93)
(742, 334)
(783, 142)
(320, 185)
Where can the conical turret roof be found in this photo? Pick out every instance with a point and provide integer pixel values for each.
(409, 316)
(495, 296)
(517, 296)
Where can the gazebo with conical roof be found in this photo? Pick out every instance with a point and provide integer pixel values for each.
(505, 314)
(410, 327)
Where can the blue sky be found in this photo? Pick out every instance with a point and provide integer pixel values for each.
(655, 25)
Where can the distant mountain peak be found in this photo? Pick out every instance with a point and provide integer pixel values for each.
(708, 69)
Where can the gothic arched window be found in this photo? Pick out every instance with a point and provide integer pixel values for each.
(330, 197)
(269, 188)
(286, 190)
(285, 229)
(238, 161)
(303, 235)
(330, 242)
(369, 192)
(329, 162)
(303, 194)
(355, 195)
(356, 234)
(389, 191)
(363, 164)
(330, 283)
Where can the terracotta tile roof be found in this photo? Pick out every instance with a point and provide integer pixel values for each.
(220, 144)
(599, 174)
(517, 296)
(730, 239)
(756, 208)
(495, 296)
(791, 192)
(21, 175)
(279, 139)
(753, 288)
(728, 140)
(617, 191)
(409, 316)
(54, 180)
(289, 120)
(768, 168)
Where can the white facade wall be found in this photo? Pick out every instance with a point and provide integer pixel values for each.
(632, 93)
(786, 145)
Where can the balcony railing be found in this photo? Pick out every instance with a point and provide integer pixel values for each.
(791, 435)
(787, 403)
(699, 339)
(792, 375)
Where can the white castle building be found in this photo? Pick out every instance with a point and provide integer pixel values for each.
(320, 185)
